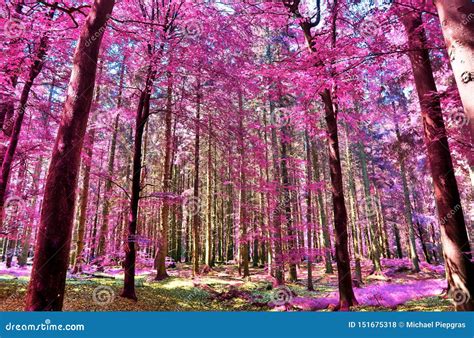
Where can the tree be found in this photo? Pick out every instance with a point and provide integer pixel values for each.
(163, 246)
(457, 251)
(48, 276)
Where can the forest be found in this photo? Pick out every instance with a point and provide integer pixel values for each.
(205, 155)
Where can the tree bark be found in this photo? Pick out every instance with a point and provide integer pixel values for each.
(457, 23)
(407, 209)
(309, 220)
(163, 238)
(243, 219)
(457, 251)
(196, 217)
(79, 258)
(353, 212)
(130, 250)
(209, 246)
(48, 277)
(323, 220)
(370, 212)
(346, 294)
(278, 259)
(284, 140)
(110, 170)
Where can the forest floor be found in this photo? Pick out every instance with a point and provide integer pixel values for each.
(223, 290)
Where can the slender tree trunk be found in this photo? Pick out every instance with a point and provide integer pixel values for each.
(208, 253)
(243, 219)
(457, 251)
(323, 221)
(163, 238)
(130, 249)
(196, 217)
(353, 211)
(278, 259)
(346, 294)
(110, 171)
(370, 208)
(22, 261)
(287, 198)
(309, 220)
(408, 211)
(89, 147)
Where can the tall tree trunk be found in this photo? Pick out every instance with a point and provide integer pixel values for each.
(87, 159)
(163, 238)
(48, 277)
(370, 207)
(323, 220)
(243, 219)
(309, 220)
(141, 119)
(22, 261)
(208, 253)
(407, 203)
(457, 251)
(287, 197)
(110, 170)
(196, 217)
(353, 211)
(346, 294)
(278, 259)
